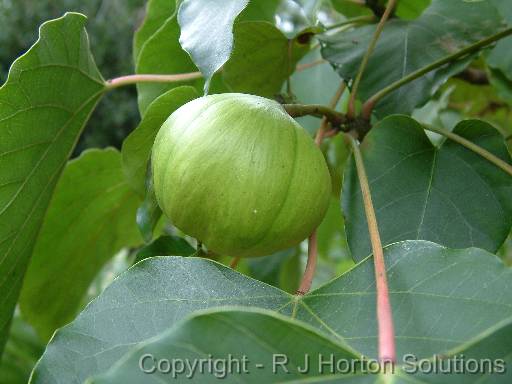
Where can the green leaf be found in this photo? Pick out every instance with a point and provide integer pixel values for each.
(406, 46)
(90, 218)
(44, 105)
(157, 13)
(166, 246)
(448, 195)
(149, 212)
(351, 8)
(432, 289)
(262, 337)
(145, 301)
(137, 146)
(207, 32)
(158, 51)
(257, 335)
(411, 9)
(259, 63)
(500, 57)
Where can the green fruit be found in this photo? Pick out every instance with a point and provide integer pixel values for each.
(236, 172)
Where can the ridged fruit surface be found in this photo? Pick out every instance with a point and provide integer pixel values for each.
(236, 172)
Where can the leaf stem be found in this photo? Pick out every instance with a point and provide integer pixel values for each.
(337, 119)
(473, 147)
(354, 20)
(387, 353)
(366, 57)
(134, 79)
(370, 103)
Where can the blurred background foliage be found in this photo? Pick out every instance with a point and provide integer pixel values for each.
(111, 26)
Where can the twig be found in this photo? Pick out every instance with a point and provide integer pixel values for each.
(134, 79)
(370, 103)
(473, 147)
(366, 57)
(387, 352)
(302, 67)
(337, 119)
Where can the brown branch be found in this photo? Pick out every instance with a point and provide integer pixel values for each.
(336, 119)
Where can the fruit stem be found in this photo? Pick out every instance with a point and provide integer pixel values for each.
(473, 147)
(134, 79)
(387, 353)
(373, 100)
(309, 272)
(337, 119)
(366, 57)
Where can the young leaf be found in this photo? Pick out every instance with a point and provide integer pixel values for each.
(44, 105)
(432, 288)
(258, 335)
(406, 46)
(207, 32)
(260, 61)
(90, 218)
(158, 51)
(149, 212)
(137, 146)
(448, 195)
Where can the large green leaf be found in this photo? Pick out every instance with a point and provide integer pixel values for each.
(148, 299)
(450, 195)
(90, 218)
(500, 58)
(260, 61)
(48, 97)
(158, 51)
(137, 146)
(261, 339)
(257, 335)
(405, 46)
(433, 290)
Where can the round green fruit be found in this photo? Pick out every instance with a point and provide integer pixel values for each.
(236, 172)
